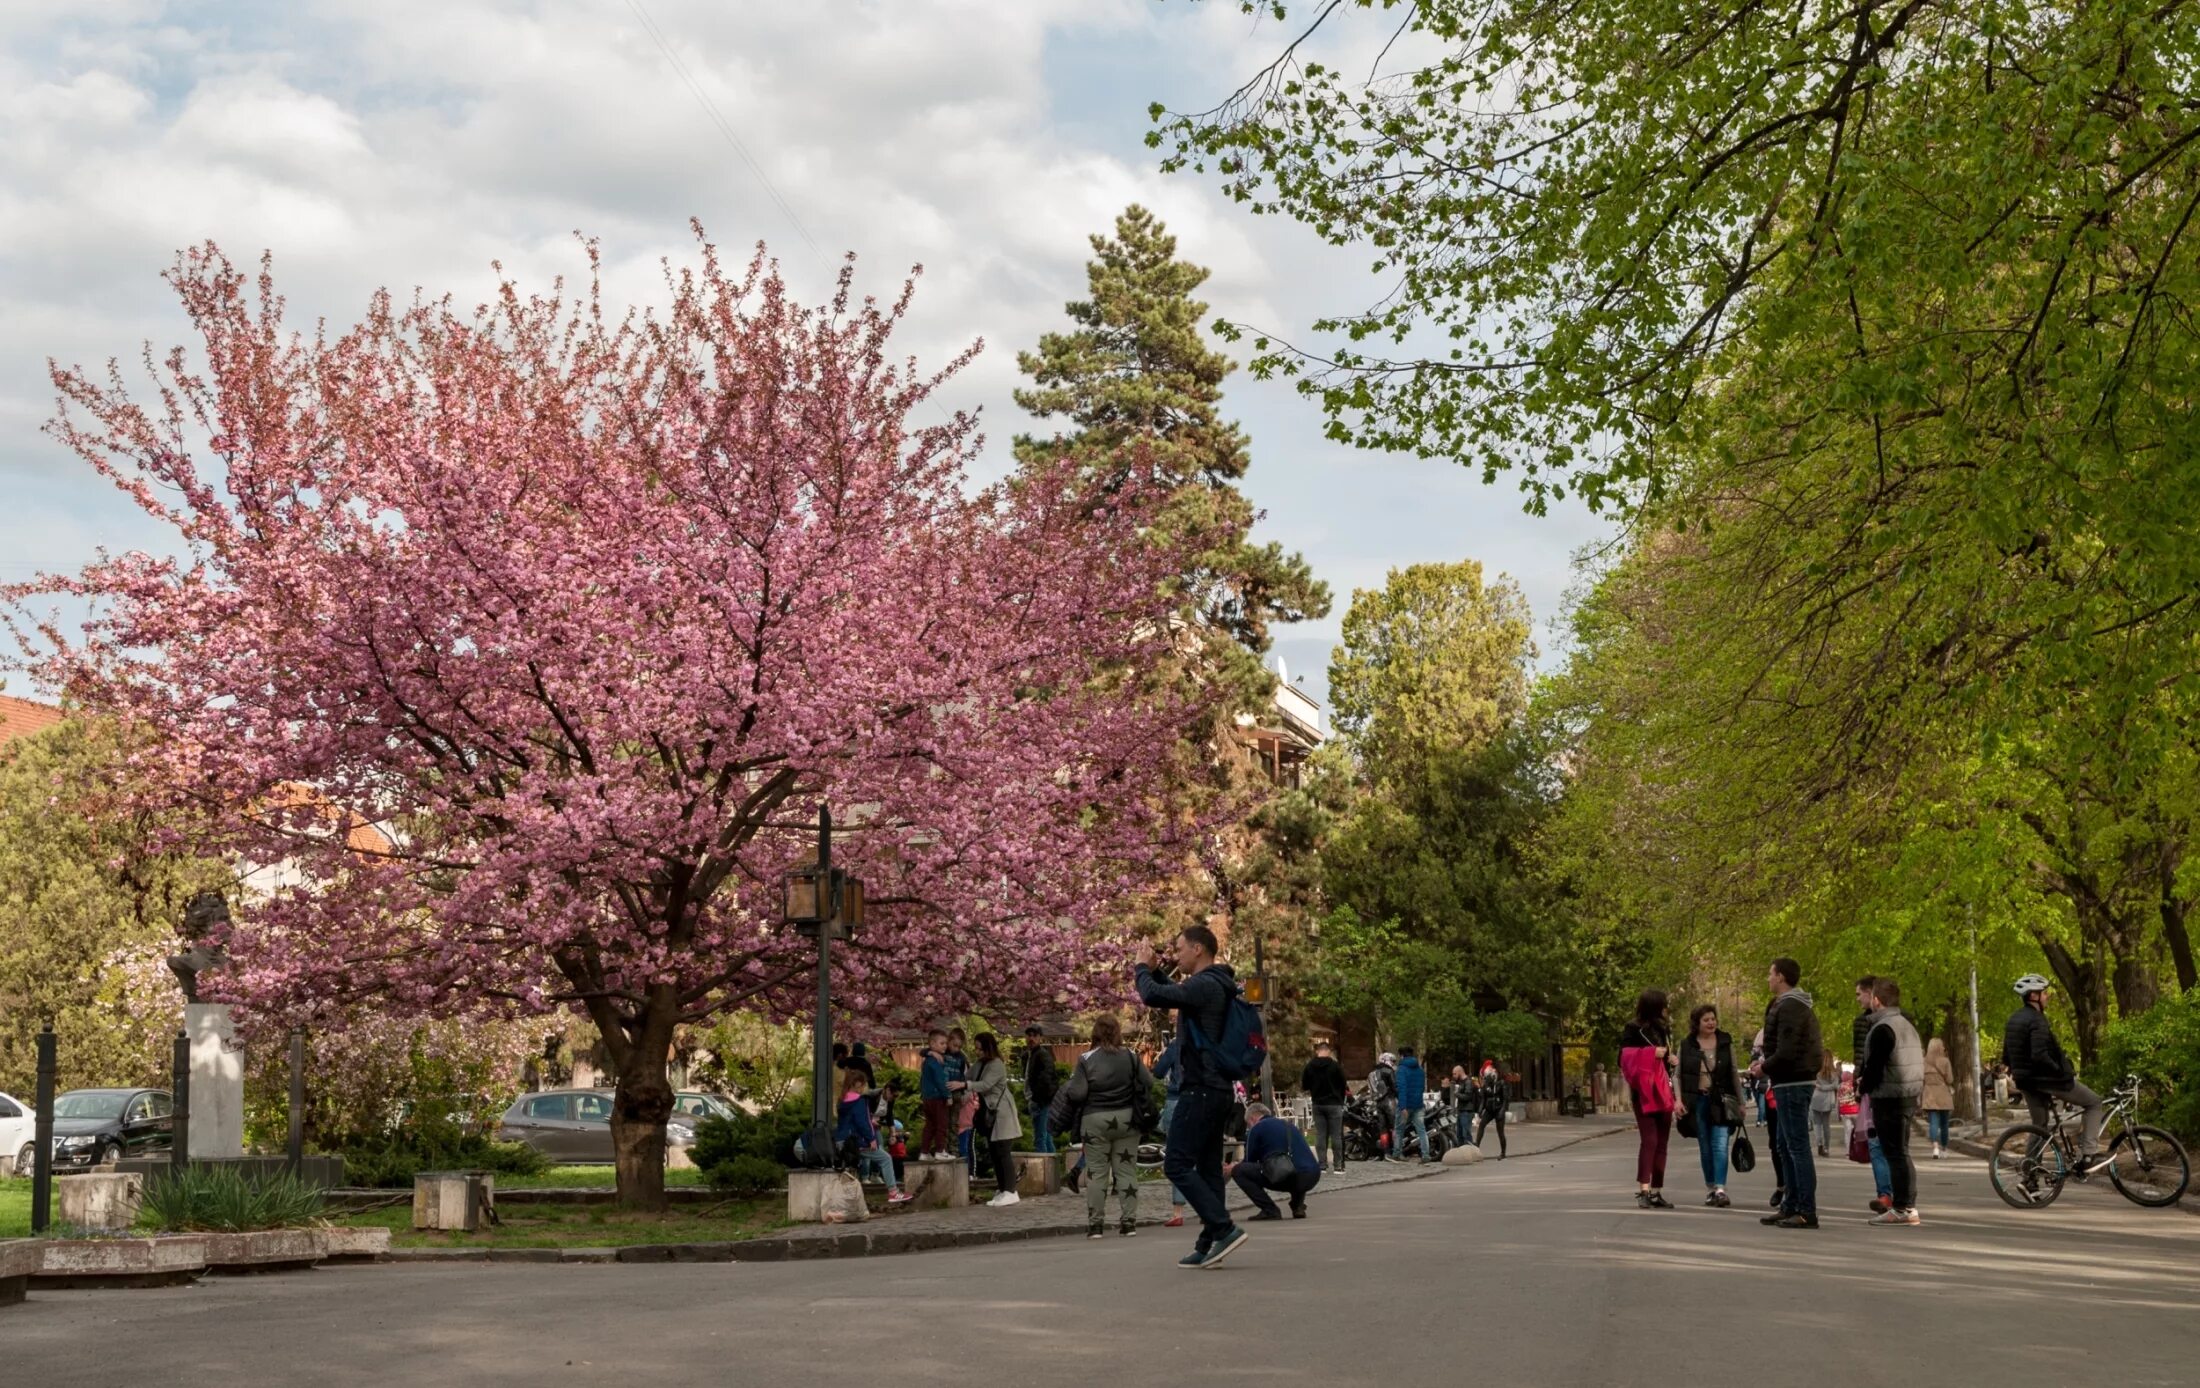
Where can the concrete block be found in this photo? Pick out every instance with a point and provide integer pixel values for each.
(937, 1183)
(266, 1250)
(1038, 1173)
(217, 1083)
(19, 1260)
(99, 1199)
(341, 1243)
(453, 1200)
(825, 1197)
(154, 1262)
(1465, 1154)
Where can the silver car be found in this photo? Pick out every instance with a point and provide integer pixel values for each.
(573, 1126)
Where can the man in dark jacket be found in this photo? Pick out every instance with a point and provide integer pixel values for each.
(2040, 1070)
(1323, 1081)
(1891, 1071)
(1040, 1082)
(1266, 1137)
(1859, 1031)
(1793, 1049)
(1205, 1098)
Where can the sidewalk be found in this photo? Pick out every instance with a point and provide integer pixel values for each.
(1034, 1217)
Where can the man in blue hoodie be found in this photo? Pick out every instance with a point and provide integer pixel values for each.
(1200, 996)
(1412, 1082)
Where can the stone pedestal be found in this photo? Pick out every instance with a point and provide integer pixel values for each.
(1038, 1173)
(825, 1197)
(217, 1083)
(937, 1184)
(101, 1200)
(19, 1262)
(453, 1200)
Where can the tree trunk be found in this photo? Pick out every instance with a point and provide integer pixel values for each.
(641, 1104)
(2173, 910)
(1962, 1044)
(2136, 988)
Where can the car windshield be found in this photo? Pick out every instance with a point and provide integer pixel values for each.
(704, 1106)
(92, 1105)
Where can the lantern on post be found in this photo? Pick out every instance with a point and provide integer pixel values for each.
(822, 902)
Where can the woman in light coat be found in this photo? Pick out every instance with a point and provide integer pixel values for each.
(1825, 1101)
(990, 1084)
(1939, 1098)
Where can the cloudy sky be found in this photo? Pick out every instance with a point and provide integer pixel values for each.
(412, 142)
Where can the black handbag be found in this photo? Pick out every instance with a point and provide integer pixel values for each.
(1277, 1169)
(1743, 1156)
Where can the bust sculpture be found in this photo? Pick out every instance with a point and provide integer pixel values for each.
(206, 911)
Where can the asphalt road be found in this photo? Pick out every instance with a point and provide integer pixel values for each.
(1532, 1271)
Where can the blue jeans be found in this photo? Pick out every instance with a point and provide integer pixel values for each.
(1936, 1126)
(1711, 1141)
(1791, 1130)
(1042, 1131)
(1882, 1175)
(1193, 1159)
(877, 1162)
(1398, 1138)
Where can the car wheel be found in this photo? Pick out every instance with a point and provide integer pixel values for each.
(26, 1161)
(106, 1158)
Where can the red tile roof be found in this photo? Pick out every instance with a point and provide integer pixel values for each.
(22, 717)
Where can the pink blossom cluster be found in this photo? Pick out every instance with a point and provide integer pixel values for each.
(588, 614)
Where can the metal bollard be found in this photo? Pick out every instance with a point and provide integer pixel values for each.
(296, 1147)
(179, 1140)
(42, 1133)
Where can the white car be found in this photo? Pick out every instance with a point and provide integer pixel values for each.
(17, 1124)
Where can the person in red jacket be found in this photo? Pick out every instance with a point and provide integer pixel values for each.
(1645, 1045)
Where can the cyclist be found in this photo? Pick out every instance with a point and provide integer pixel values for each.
(2041, 1072)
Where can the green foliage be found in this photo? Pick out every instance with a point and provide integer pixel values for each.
(735, 1152)
(2162, 1047)
(397, 1158)
(754, 1057)
(90, 902)
(220, 1198)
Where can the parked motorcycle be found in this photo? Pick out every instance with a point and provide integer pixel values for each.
(1366, 1135)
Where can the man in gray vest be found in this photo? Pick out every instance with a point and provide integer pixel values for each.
(1893, 1074)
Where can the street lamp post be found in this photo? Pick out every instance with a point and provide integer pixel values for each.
(827, 903)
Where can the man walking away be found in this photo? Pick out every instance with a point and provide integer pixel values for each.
(1205, 1099)
(1412, 1082)
(1859, 1030)
(1382, 1087)
(1893, 1074)
(1323, 1083)
(1276, 1159)
(1496, 1098)
(1792, 1046)
(2041, 1071)
(1040, 1082)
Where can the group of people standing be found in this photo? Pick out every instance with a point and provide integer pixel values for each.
(1697, 1083)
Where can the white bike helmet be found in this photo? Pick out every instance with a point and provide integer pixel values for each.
(2031, 983)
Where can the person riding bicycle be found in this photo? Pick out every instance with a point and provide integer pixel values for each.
(2042, 1073)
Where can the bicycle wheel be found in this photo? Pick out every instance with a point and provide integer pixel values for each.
(2148, 1167)
(2027, 1167)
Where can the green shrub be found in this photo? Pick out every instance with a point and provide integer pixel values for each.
(2162, 1047)
(223, 1199)
(395, 1160)
(746, 1176)
(743, 1145)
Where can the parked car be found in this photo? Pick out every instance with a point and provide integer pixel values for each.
(574, 1125)
(694, 1105)
(92, 1127)
(18, 1126)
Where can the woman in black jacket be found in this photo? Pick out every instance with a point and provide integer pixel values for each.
(1708, 1081)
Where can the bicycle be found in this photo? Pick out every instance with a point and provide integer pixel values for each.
(2146, 1165)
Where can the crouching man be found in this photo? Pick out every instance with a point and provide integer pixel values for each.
(1276, 1159)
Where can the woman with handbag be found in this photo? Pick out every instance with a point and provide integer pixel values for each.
(1714, 1094)
(1109, 1094)
(996, 1117)
(1644, 1048)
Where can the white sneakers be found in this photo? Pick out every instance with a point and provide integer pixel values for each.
(1006, 1197)
(1897, 1217)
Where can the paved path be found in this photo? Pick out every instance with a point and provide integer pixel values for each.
(1389, 1284)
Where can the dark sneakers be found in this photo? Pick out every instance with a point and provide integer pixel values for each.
(1229, 1243)
(1298, 1211)
(1260, 1215)
(1774, 1218)
(1797, 1221)
(1196, 1258)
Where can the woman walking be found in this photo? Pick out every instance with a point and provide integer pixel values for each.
(1644, 1046)
(1713, 1088)
(1939, 1098)
(1104, 1088)
(1825, 1101)
(990, 1085)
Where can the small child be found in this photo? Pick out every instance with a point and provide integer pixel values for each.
(855, 1126)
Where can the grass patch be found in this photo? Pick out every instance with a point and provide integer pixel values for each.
(587, 1226)
(587, 1178)
(15, 1208)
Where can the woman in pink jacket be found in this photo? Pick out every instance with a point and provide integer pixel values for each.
(1645, 1048)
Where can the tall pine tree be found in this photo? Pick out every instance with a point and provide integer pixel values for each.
(1137, 384)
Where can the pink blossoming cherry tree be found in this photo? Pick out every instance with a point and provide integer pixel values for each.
(591, 611)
